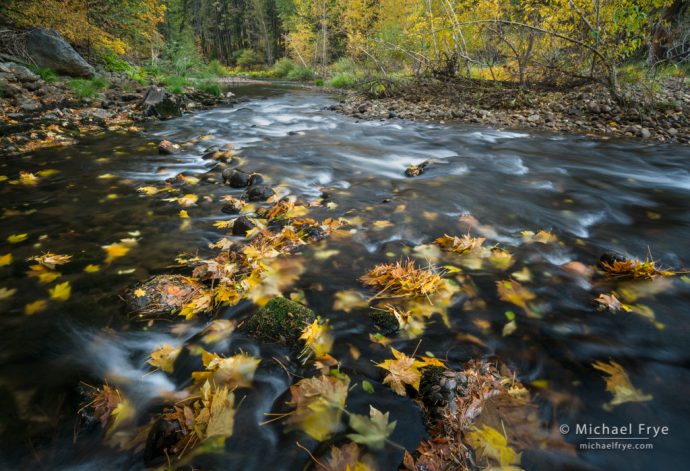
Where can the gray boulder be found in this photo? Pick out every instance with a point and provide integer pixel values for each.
(160, 103)
(18, 72)
(48, 49)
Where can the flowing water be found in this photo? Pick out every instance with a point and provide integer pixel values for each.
(595, 195)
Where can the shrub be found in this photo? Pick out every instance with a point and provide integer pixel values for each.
(342, 80)
(300, 74)
(209, 86)
(83, 88)
(344, 66)
(216, 69)
(114, 63)
(283, 67)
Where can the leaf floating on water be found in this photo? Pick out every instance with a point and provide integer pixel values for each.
(234, 372)
(218, 330)
(372, 431)
(115, 251)
(28, 179)
(148, 190)
(317, 340)
(460, 245)
(634, 269)
(164, 357)
(541, 237)
(202, 302)
(402, 280)
(221, 418)
(501, 259)
(347, 458)
(610, 302)
(513, 292)
(188, 200)
(401, 371)
(183, 214)
(618, 383)
(61, 292)
(349, 300)
(35, 307)
(50, 260)
(43, 274)
(6, 293)
(319, 404)
(490, 444)
(5, 260)
(17, 238)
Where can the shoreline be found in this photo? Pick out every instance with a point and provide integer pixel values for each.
(586, 110)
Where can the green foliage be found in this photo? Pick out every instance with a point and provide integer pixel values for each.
(300, 74)
(175, 84)
(342, 80)
(216, 69)
(114, 63)
(209, 86)
(87, 88)
(283, 67)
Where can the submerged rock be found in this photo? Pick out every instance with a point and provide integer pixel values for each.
(416, 170)
(221, 155)
(233, 206)
(281, 320)
(385, 321)
(47, 48)
(164, 433)
(238, 179)
(161, 295)
(160, 103)
(259, 193)
(610, 258)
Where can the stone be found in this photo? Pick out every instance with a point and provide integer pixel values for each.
(99, 115)
(238, 179)
(241, 225)
(160, 103)
(280, 320)
(259, 193)
(645, 133)
(167, 148)
(29, 106)
(161, 295)
(47, 48)
(20, 73)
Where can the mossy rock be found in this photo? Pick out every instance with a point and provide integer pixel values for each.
(161, 295)
(385, 321)
(281, 320)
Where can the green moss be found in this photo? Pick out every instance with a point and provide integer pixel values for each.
(281, 320)
(385, 321)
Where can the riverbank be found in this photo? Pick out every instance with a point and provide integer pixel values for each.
(588, 109)
(37, 113)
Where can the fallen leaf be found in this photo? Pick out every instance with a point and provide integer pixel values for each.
(164, 357)
(618, 383)
(5, 260)
(35, 307)
(61, 292)
(372, 431)
(17, 238)
(319, 403)
(401, 371)
(115, 251)
(6, 293)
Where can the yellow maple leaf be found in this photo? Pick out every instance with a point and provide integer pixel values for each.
(43, 274)
(188, 200)
(92, 268)
(5, 260)
(184, 214)
(139, 292)
(115, 251)
(164, 357)
(61, 292)
(51, 260)
(490, 443)
(236, 371)
(319, 403)
(401, 371)
(35, 307)
(514, 293)
(6, 293)
(317, 340)
(17, 238)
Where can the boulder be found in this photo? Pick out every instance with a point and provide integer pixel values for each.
(161, 295)
(48, 49)
(18, 72)
(259, 193)
(167, 148)
(242, 225)
(238, 179)
(160, 103)
(281, 320)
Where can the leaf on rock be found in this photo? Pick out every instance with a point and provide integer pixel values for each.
(188, 200)
(372, 431)
(221, 418)
(460, 245)
(51, 260)
(401, 371)
(489, 443)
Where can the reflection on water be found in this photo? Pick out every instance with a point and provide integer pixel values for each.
(594, 195)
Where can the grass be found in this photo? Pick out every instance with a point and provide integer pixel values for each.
(48, 75)
(176, 84)
(209, 86)
(343, 80)
(87, 88)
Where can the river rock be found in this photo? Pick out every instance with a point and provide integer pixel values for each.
(241, 225)
(255, 179)
(18, 72)
(160, 103)
(281, 320)
(221, 155)
(161, 295)
(258, 193)
(48, 49)
(238, 179)
(167, 148)
(233, 206)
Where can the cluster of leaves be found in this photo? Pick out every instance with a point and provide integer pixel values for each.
(635, 269)
(404, 370)
(402, 279)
